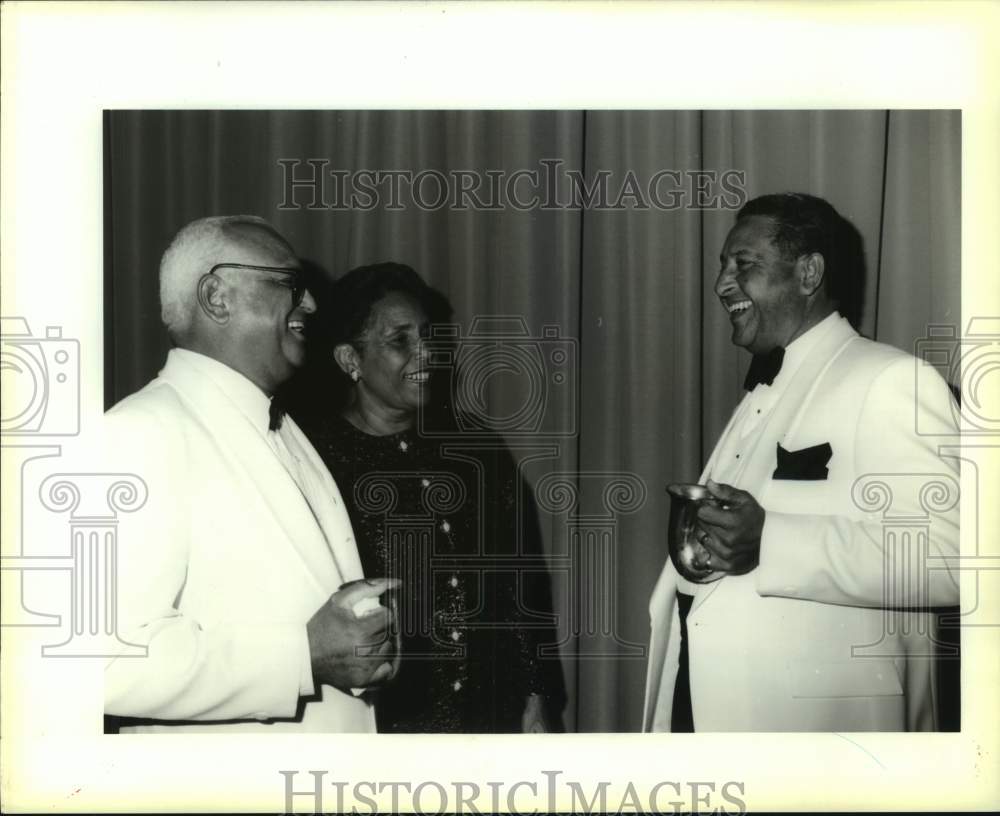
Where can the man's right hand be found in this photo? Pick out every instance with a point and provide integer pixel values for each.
(348, 651)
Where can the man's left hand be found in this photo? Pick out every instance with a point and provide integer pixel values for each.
(732, 531)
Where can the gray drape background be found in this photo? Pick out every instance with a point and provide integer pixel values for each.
(629, 289)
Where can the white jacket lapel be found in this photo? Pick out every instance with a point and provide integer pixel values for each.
(793, 408)
(331, 514)
(246, 448)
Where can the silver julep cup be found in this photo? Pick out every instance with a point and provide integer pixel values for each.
(688, 554)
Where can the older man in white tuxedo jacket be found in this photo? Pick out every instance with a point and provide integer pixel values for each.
(820, 621)
(229, 577)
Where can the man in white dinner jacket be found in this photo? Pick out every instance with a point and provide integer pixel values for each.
(820, 620)
(229, 576)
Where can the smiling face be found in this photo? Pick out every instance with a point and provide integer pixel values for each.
(268, 327)
(761, 289)
(391, 357)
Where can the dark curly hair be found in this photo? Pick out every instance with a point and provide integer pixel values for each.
(344, 311)
(803, 224)
(354, 296)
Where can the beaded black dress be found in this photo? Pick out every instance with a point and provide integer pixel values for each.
(474, 604)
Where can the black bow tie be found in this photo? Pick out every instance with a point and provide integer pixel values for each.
(764, 368)
(276, 412)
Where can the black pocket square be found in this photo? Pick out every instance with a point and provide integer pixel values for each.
(808, 464)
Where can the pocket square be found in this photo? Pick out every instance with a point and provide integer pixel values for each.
(808, 464)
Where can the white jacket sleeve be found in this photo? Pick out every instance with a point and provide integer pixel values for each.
(190, 671)
(861, 560)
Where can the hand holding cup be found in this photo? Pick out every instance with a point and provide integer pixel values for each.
(353, 642)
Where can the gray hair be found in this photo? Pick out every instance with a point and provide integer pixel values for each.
(195, 249)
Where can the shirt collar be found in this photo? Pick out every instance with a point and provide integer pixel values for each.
(253, 403)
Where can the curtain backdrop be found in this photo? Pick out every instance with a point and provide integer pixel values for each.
(629, 290)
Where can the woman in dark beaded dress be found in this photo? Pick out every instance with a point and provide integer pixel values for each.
(440, 514)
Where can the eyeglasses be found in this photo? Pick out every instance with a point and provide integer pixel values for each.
(296, 285)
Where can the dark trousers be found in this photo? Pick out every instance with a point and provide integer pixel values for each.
(682, 717)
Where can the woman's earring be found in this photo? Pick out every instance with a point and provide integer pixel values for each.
(355, 375)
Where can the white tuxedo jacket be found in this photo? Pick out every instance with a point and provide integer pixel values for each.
(220, 571)
(804, 642)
